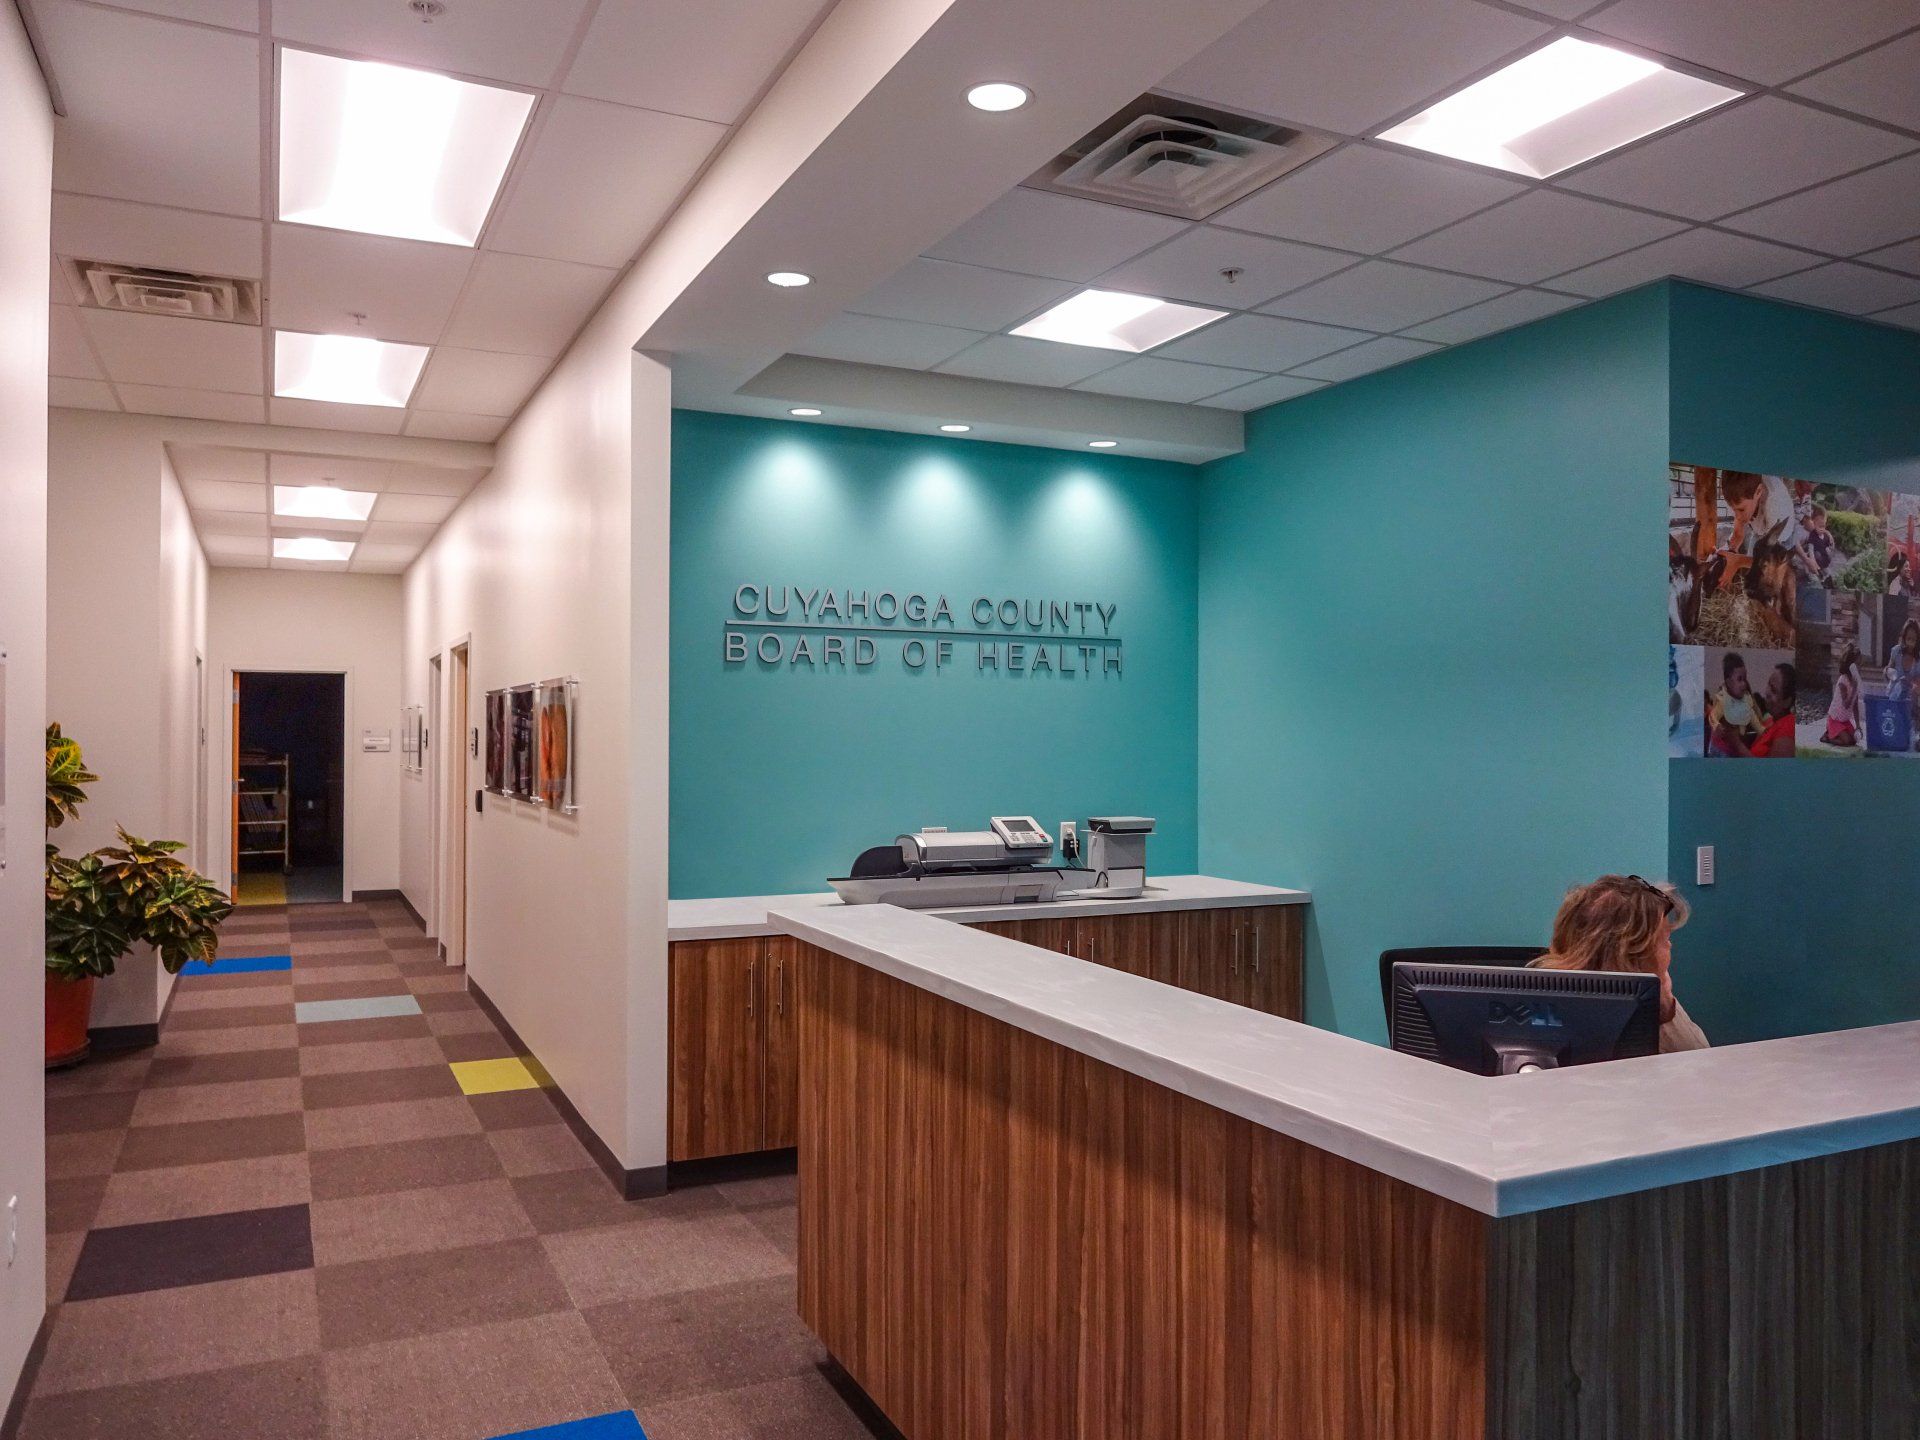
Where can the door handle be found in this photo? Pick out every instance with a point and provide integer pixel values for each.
(780, 987)
(1235, 963)
(753, 974)
(1256, 949)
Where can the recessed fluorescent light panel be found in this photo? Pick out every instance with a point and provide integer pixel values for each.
(323, 502)
(390, 151)
(311, 547)
(1560, 106)
(1114, 320)
(344, 369)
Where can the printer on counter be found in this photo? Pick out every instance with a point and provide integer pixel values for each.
(1117, 855)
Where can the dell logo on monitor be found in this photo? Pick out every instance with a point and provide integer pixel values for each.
(1538, 1013)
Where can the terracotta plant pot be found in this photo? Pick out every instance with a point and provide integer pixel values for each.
(69, 1007)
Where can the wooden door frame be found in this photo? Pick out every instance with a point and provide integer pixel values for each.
(347, 753)
(430, 766)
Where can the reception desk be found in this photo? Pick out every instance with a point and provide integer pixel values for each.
(1043, 1199)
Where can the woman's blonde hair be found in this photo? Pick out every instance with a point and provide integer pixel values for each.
(1612, 924)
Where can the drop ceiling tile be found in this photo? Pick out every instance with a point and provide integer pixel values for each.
(377, 475)
(495, 39)
(377, 567)
(1153, 379)
(1367, 199)
(1905, 256)
(227, 549)
(369, 551)
(1365, 359)
(163, 350)
(1503, 312)
(1262, 393)
(59, 289)
(1853, 289)
(1907, 315)
(228, 495)
(1732, 159)
(414, 509)
(219, 462)
(193, 404)
(63, 393)
(1875, 208)
(393, 532)
(1261, 342)
(1710, 256)
(1030, 362)
(230, 523)
(1381, 295)
(479, 382)
(1349, 65)
(228, 14)
(1190, 267)
(1557, 9)
(871, 340)
(1883, 83)
(424, 423)
(406, 289)
(1035, 232)
(525, 306)
(1771, 41)
(89, 228)
(157, 111)
(710, 60)
(321, 415)
(1540, 234)
(638, 161)
(67, 352)
(940, 292)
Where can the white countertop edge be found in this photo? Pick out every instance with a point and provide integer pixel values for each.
(1502, 1147)
(738, 916)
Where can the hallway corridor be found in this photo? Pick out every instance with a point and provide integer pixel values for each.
(332, 1205)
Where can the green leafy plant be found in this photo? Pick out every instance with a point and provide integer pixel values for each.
(1867, 572)
(100, 905)
(67, 778)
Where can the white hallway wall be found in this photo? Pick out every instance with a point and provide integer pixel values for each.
(314, 620)
(126, 596)
(26, 186)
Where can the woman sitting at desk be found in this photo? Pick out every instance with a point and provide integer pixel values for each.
(1621, 922)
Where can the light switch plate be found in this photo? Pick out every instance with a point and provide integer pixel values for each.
(1703, 865)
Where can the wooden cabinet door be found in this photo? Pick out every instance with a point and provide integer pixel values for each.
(780, 1006)
(716, 1068)
(1273, 953)
(1208, 955)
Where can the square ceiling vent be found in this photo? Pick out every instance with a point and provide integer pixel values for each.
(1176, 158)
(145, 291)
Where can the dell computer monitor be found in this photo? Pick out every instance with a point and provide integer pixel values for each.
(1495, 1020)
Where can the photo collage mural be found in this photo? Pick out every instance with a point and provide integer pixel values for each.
(1793, 624)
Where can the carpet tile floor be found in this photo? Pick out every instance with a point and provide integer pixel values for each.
(334, 1204)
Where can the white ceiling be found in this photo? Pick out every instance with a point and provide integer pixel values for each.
(230, 491)
(166, 155)
(1808, 191)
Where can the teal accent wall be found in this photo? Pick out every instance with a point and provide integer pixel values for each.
(782, 774)
(1812, 924)
(1431, 687)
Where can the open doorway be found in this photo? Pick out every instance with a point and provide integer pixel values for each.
(289, 824)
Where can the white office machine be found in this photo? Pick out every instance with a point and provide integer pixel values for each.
(1116, 858)
(937, 869)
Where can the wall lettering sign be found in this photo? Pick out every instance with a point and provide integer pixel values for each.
(786, 627)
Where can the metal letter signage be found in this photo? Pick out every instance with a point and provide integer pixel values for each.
(782, 627)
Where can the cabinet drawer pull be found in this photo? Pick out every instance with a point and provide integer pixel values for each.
(1256, 950)
(1234, 963)
(780, 986)
(753, 973)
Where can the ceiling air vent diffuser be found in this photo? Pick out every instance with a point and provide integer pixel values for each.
(166, 292)
(1176, 158)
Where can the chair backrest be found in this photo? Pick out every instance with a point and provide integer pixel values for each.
(1514, 955)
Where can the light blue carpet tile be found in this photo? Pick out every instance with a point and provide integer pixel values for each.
(374, 1007)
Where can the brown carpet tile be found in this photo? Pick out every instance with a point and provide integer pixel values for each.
(306, 1231)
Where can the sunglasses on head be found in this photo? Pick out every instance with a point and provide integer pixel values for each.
(1666, 900)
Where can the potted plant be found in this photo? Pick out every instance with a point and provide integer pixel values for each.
(100, 905)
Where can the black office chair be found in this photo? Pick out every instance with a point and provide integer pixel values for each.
(1517, 956)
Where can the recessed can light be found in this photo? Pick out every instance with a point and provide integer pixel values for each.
(998, 95)
(804, 411)
(789, 279)
(956, 429)
(1101, 444)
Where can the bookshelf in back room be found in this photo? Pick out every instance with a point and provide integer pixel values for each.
(265, 809)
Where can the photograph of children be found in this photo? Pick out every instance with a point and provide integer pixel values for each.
(1843, 538)
(555, 777)
(1750, 702)
(1686, 702)
(497, 741)
(1890, 660)
(1732, 547)
(1903, 545)
(520, 731)
(1831, 679)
